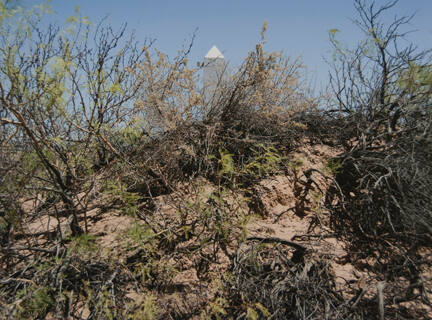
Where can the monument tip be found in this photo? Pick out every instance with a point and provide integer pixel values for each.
(214, 53)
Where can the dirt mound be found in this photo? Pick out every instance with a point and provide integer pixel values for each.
(205, 250)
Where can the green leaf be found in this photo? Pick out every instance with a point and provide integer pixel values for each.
(251, 314)
(116, 88)
(263, 310)
(72, 19)
(86, 21)
(227, 163)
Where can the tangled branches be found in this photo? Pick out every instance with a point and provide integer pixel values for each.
(275, 282)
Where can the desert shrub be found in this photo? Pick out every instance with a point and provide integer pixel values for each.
(63, 286)
(145, 254)
(383, 93)
(36, 302)
(65, 91)
(278, 279)
(388, 190)
(273, 280)
(88, 116)
(147, 310)
(262, 105)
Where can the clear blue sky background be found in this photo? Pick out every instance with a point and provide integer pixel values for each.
(297, 27)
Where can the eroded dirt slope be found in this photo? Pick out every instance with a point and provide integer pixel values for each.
(190, 253)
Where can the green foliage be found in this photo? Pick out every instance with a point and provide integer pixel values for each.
(106, 305)
(76, 19)
(30, 161)
(215, 310)
(116, 190)
(262, 309)
(149, 311)
(128, 138)
(226, 163)
(253, 312)
(141, 234)
(35, 303)
(11, 216)
(144, 243)
(3, 224)
(83, 244)
(416, 79)
(333, 166)
(102, 303)
(221, 214)
(295, 164)
(266, 160)
(145, 311)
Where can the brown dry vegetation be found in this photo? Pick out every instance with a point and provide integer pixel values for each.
(124, 195)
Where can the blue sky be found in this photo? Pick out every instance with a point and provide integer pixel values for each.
(297, 27)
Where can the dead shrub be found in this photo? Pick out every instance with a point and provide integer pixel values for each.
(384, 96)
(275, 281)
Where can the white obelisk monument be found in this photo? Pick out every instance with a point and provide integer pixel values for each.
(214, 70)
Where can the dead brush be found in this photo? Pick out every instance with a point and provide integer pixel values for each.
(384, 98)
(129, 126)
(277, 281)
(63, 287)
(257, 104)
(385, 211)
